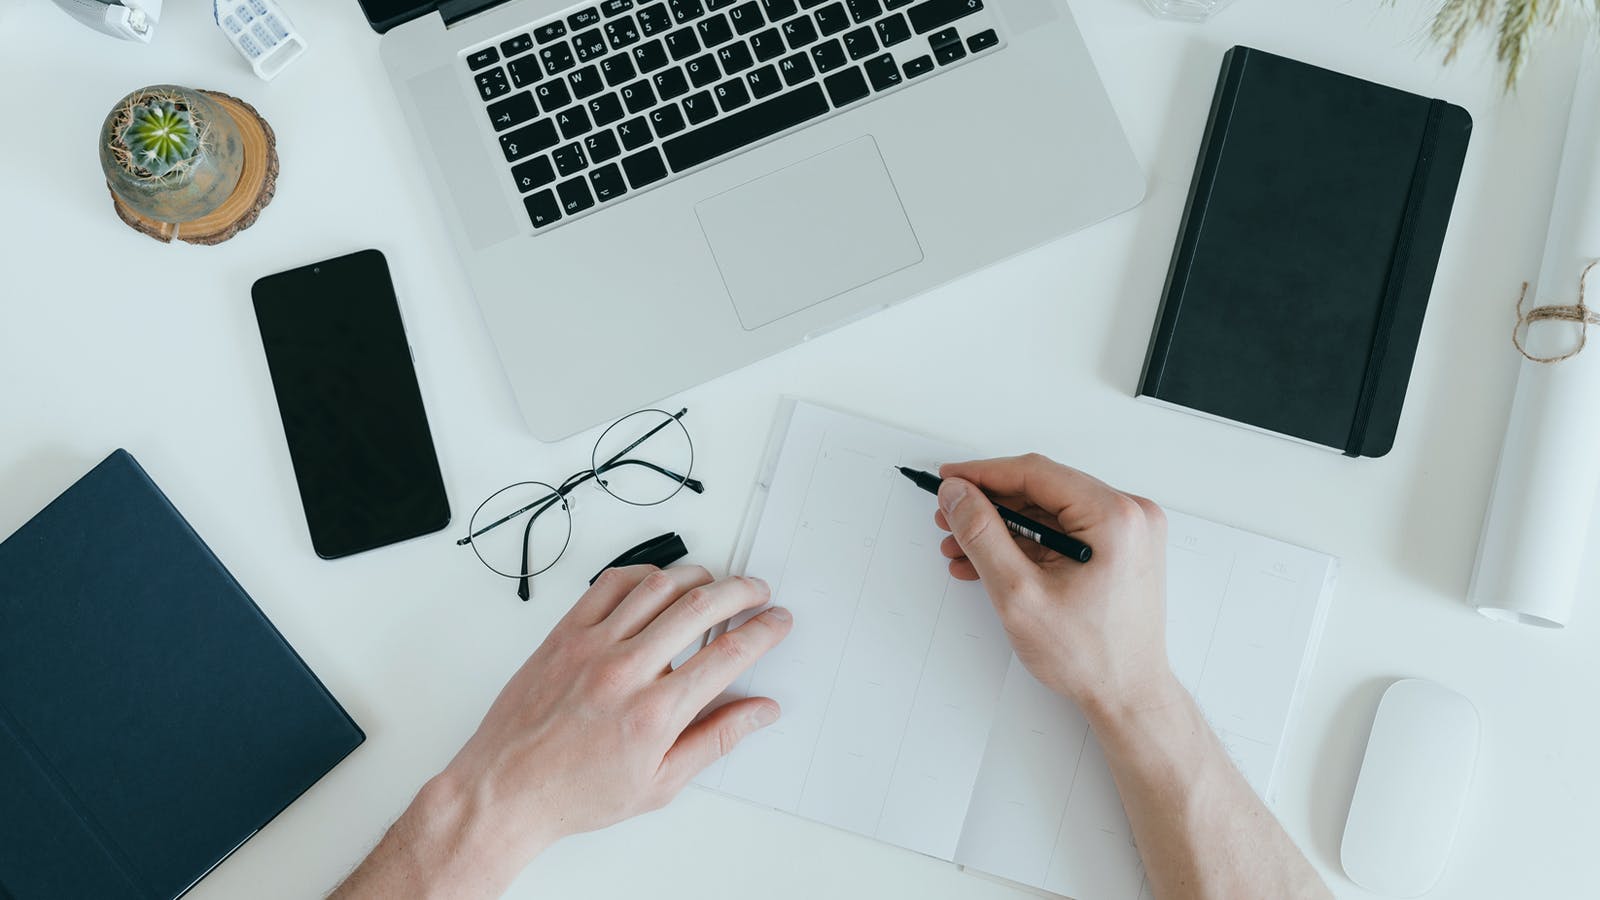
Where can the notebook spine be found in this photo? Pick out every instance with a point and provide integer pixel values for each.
(1194, 213)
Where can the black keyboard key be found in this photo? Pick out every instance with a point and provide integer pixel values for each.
(573, 122)
(557, 58)
(732, 94)
(735, 58)
(949, 53)
(859, 43)
(525, 71)
(535, 173)
(621, 33)
(542, 208)
(644, 167)
(714, 5)
(488, 56)
(745, 127)
(635, 133)
(547, 33)
(513, 110)
(937, 13)
(828, 56)
(670, 83)
(764, 82)
(702, 70)
(778, 10)
(570, 159)
(799, 32)
(682, 44)
(896, 4)
(616, 7)
(650, 56)
(638, 97)
(699, 107)
(608, 183)
(586, 82)
(810, 3)
(605, 109)
(575, 196)
(882, 72)
(893, 30)
(983, 40)
(589, 45)
(654, 19)
(714, 30)
(493, 83)
(919, 66)
(617, 69)
(832, 19)
(746, 17)
(583, 18)
(846, 87)
(553, 95)
(522, 43)
(940, 38)
(796, 68)
(768, 45)
(528, 140)
(667, 120)
(684, 10)
(602, 145)
(863, 10)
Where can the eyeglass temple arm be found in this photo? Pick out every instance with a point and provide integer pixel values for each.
(693, 484)
(525, 583)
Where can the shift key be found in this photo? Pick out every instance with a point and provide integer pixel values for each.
(745, 127)
(933, 14)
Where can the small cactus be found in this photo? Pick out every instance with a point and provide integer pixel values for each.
(160, 137)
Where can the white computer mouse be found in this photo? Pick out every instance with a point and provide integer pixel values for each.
(1412, 789)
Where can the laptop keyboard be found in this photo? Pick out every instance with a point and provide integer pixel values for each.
(603, 101)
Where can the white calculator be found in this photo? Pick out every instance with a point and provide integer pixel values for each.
(260, 31)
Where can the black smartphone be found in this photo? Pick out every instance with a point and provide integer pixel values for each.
(352, 411)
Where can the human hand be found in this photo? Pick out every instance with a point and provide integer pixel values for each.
(1094, 632)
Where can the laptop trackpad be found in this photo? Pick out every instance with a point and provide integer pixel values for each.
(809, 232)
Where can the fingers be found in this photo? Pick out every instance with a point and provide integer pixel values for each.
(1065, 493)
(653, 594)
(607, 591)
(709, 672)
(691, 615)
(711, 738)
(982, 536)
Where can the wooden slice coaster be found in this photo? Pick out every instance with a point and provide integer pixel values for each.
(257, 183)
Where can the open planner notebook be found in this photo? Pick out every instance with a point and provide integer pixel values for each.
(907, 718)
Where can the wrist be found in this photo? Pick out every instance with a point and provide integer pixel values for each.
(462, 840)
(1115, 706)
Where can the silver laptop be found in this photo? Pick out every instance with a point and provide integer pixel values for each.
(651, 193)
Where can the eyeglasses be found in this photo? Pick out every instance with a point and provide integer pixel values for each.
(642, 459)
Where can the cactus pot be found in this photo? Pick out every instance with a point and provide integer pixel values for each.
(171, 154)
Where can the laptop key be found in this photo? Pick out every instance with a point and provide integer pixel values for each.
(949, 53)
(764, 82)
(638, 96)
(586, 82)
(644, 167)
(556, 58)
(621, 32)
(654, 19)
(863, 10)
(616, 7)
(488, 56)
(832, 19)
(583, 18)
(893, 30)
(681, 44)
(608, 183)
(940, 38)
(543, 208)
(573, 122)
(667, 120)
(619, 68)
(732, 94)
(670, 84)
(919, 66)
(702, 70)
(933, 14)
(650, 56)
(522, 43)
(699, 107)
(714, 5)
(575, 196)
(846, 87)
(983, 40)
(745, 127)
(513, 110)
(735, 58)
(828, 56)
(634, 133)
(714, 30)
(602, 145)
(778, 10)
(605, 109)
(746, 17)
(535, 173)
(799, 32)
(492, 84)
(883, 72)
(553, 95)
(684, 10)
(768, 45)
(589, 45)
(570, 159)
(525, 71)
(896, 4)
(528, 140)
(544, 34)
(796, 68)
(859, 43)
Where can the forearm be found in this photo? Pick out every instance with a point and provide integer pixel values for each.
(1200, 828)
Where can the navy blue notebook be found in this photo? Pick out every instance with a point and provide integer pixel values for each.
(151, 718)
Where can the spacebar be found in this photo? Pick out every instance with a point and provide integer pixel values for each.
(745, 127)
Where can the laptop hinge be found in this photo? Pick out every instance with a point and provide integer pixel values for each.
(453, 11)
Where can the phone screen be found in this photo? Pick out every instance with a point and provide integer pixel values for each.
(352, 411)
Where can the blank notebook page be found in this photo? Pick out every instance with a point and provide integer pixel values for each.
(907, 718)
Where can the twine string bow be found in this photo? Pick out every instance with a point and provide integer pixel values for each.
(1578, 312)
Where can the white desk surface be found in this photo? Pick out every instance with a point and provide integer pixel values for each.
(109, 339)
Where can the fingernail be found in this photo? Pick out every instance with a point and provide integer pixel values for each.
(779, 614)
(765, 715)
(762, 582)
(951, 493)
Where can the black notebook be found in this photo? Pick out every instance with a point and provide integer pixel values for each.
(1307, 252)
(151, 718)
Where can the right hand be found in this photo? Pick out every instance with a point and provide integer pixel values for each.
(1093, 632)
